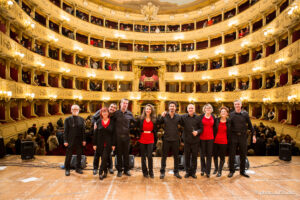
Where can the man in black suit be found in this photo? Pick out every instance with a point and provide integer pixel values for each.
(190, 122)
(123, 118)
(74, 138)
(240, 122)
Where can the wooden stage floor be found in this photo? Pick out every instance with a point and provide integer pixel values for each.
(42, 178)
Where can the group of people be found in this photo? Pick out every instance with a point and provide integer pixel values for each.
(112, 129)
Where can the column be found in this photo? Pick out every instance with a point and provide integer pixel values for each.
(223, 38)
(236, 84)
(32, 71)
(263, 50)
(7, 112)
(208, 64)
(46, 76)
(290, 36)
(88, 85)
(60, 54)
(290, 76)
(47, 50)
(135, 107)
(32, 109)
(223, 14)
(20, 74)
(118, 65)
(88, 107)
(250, 83)
(180, 87)
(237, 58)
(289, 114)
(277, 78)
(7, 70)
(208, 86)
(60, 107)
(208, 39)
(250, 27)
(47, 21)
(276, 44)
(276, 113)
(60, 80)
(74, 83)
(223, 62)
(46, 108)
(223, 85)
(250, 54)
(263, 81)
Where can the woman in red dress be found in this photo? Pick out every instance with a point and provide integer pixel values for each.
(221, 139)
(207, 132)
(147, 124)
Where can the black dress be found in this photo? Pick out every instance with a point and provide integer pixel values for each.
(104, 139)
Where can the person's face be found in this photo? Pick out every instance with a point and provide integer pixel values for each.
(75, 110)
(104, 114)
(172, 107)
(191, 109)
(208, 110)
(223, 113)
(112, 108)
(237, 106)
(148, 110)
(124, 105)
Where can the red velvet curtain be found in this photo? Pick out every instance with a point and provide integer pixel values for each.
(26, 111)
(283, 79)
(14, 73)
(2, 112)
(14, 114)
(40, 110)
(282, 114)
(295, 117)
(2, 70)
(2, 27)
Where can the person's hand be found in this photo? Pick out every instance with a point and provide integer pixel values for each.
(66, 144)
(83, 143)
(95, 126)
(164, 114)
(254, 139)
(94, 147)
(113, 148)
(195, 133)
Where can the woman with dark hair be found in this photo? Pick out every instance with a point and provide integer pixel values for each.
(207, 132)
(104, 140)
(221, 139)
(147, 124)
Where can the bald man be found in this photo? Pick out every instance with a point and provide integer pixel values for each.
(74, 138)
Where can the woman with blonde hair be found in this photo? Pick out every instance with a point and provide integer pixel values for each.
(147, 124)
(207, 132)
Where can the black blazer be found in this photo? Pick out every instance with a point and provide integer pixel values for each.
(74, 132)
(105, 135)
(228, 125)
(140, 123)
(215, 127)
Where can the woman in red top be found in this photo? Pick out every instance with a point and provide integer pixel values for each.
(147, 134)
(221, 139)
(207, 132)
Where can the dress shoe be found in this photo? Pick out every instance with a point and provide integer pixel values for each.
(215, 171)
(219, 174)
(186, 175)
(105, 175)
(101, 177)
(194, 176)
(67, 172)
(95, 171)
(244, 174)
(127, 173)
(145, 175)
(119, 174)
(177, 175)
(207, 175)
(111, 171)
(151, 175)
(202, 173)
(79, 171)
(230, 174)
(162, 175)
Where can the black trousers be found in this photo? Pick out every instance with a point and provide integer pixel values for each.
(69, 152)
(96, 160)
(174, 146)
(123, 153)
(146, 151)
(219, 151)
(206, 152)
(191, 151)
(241, 142)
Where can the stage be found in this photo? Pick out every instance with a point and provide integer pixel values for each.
(42, 178)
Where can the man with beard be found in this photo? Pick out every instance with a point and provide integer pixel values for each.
(74, 138)
(112, 109)
(171, 120)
